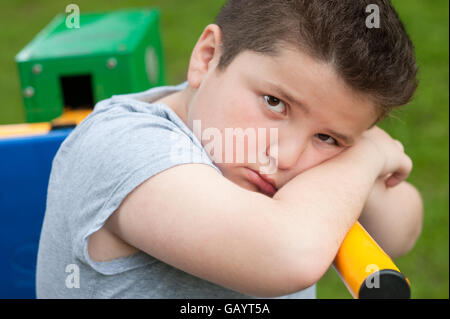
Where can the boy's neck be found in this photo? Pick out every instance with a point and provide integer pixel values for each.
(178, 102)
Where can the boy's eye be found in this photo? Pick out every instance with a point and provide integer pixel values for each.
(274, 104)
(325, 138)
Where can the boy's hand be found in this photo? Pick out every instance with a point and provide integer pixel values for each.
(397, 165)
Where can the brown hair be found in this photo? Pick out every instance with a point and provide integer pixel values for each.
(379, 62)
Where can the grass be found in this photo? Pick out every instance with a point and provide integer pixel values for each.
(422, 125)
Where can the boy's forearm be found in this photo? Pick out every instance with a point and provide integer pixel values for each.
(393, 217)
(323, 202)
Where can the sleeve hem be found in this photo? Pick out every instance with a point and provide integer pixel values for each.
(136, 260)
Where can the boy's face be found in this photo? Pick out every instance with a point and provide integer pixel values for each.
(248, 94)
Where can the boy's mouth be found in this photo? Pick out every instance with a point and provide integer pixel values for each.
(265, 185)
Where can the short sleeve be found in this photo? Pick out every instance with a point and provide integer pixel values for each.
(114, 150)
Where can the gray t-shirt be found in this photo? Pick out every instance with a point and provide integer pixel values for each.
(123, 142)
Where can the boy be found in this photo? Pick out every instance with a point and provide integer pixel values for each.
(142, 206)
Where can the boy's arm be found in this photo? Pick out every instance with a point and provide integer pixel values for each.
(193, 218)
(393, 216)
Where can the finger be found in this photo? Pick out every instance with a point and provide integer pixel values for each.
(393, 181)
(401, 174)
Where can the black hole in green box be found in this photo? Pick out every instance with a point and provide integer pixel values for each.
(77, 91)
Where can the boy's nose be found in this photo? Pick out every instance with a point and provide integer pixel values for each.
(287, 152)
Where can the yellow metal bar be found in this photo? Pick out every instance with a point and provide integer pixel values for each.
(69, 117)
(13, 130)
(360, 259)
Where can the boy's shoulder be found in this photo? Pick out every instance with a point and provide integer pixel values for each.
(131, 120)
(146, 102)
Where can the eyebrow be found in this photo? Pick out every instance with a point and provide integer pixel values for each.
(287, 97)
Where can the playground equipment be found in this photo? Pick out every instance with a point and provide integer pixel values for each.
(25, 165)
(110, 53)
(63, 73)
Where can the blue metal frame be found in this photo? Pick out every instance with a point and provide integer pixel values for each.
(25, 165)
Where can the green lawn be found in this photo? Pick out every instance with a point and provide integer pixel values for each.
(422, 125)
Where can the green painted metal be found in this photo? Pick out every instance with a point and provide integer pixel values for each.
(120, 52)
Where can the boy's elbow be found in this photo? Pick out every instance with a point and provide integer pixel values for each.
(289, 280)
(297, 267)
(297, 259)
(305, 274)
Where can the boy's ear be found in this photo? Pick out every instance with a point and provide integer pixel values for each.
(205, 56)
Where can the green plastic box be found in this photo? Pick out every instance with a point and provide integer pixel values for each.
(71, 68)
